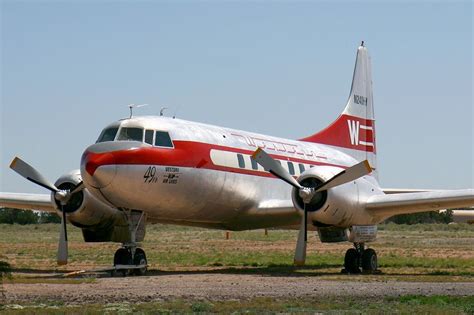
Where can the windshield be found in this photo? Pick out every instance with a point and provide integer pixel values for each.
(107, 134)
(131, 134)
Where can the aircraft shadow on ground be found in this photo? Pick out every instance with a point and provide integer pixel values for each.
(268, 271)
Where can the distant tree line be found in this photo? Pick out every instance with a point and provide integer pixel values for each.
(16, 216)
(423, 217)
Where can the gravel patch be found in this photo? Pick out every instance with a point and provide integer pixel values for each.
(220, 287)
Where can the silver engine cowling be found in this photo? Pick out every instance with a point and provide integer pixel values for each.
(98, 221)
(83, 209)
(333, 207)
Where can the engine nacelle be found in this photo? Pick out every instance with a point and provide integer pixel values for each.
(339, 206)
(99, 222)
(83, 209)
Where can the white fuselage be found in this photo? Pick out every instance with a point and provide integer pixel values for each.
(207, 177)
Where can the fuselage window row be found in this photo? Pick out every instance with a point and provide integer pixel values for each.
(254, 165)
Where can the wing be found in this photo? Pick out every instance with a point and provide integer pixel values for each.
(385, 206)
(41, 202)
(390, 191)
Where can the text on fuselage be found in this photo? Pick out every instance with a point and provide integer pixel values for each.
(276, 146)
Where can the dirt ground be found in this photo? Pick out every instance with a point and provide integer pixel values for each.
(194, 264)
(219, 286)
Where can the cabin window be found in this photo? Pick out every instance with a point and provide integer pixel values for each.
(301, 166)
(149, 136)
(107, 135)
(241, 161)
(254, 164)
(291, 168)
(130, 134)
(162, 139)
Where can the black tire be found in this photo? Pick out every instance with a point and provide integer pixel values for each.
(123, 257)
(352, 261)
(140, 259)
(369, 260)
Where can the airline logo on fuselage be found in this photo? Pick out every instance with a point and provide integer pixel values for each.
(361, 100)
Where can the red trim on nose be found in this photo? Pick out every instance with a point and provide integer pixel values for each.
(93, 161)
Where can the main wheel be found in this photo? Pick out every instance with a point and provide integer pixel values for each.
(369, 260)
(140, 259)
(123, 257)
(352, 261)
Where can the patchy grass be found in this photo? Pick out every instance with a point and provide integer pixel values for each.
(33, 280)
(426, 252)
(432, 253)
(326, 305)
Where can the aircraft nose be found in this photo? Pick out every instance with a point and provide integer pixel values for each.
(98, 169)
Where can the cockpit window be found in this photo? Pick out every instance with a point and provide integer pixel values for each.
(108, 134)
(149, 136)
(162, 139)
(130, 134)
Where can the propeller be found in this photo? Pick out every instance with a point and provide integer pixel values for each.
(63, 196)
(307, 193)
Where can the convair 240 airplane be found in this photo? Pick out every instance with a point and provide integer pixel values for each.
(158, 169)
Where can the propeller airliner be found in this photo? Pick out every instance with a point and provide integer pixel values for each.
(156, 169)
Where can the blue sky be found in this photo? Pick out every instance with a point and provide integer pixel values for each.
(279, 68)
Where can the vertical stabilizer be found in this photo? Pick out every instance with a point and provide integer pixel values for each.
(354, 130)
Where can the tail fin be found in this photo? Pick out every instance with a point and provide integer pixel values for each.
(354, 130)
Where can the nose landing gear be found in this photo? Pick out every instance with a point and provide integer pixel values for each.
(130, 259)
(360, 257)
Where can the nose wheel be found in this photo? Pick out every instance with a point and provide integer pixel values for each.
(358, 258)
(130, 261)
(140, 260)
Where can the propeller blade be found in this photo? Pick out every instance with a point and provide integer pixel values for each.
(352, 173)
(78, 188)
(62, 245)
(271, 165)
(300, 251)
(28, 172)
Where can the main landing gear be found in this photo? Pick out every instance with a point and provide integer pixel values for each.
(130, 260)
(360, 257)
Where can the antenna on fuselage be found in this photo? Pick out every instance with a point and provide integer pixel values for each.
(162, 110)
(132, 106)
(175, 112)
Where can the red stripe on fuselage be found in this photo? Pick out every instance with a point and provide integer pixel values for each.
(184, 154)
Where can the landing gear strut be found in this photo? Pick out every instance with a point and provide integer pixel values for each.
(130, 260)
(360, 257)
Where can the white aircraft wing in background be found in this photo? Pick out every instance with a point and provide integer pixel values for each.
(41, 202)
(393, 204)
